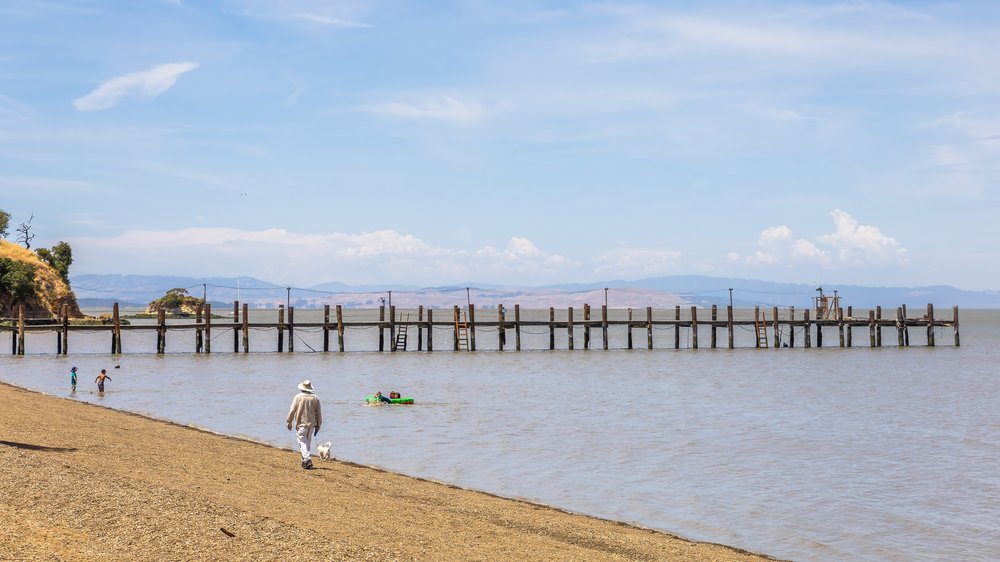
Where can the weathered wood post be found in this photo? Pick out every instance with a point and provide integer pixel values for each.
(808, 329)
(381, 328)
(501, 332)
(517, 327)
(456, 316)
(649, 327)
(850, 318)
(901, 340)
(958, 341)
(340, 328)
(13, 337)
(871, 328)
(569, 327)
(756, 326)
(777, 328)
(604, 326)
(161, 321)
(65, 330)
(392, 328)
(629, 324)
(246, 328)
(694, 327)
(586, 326)
(20, 329)
(116, 329)
(326, 327)
(677, 326)
(878, 326)
(236, 326)
(199, 340)
(819, 332)
(208, 327)
(715, 318)
(791, 327)
(59, 332)
(281, 328)
(729, 325)
(930, 325)
(552, 328)
(430, 329)
(420, 328)
(840, 324)
(472, 327)
(291, 329)
(906, 327)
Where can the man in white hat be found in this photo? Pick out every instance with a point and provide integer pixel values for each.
(306, 417)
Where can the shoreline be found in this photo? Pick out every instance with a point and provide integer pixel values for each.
(86, 481)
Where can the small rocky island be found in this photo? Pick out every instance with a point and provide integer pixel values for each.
(176, 303)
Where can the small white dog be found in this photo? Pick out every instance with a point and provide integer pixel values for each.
(324, 451)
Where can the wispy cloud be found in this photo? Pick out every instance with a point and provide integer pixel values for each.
(445, 108)
(146, 85)
(332, 22)
(637, 262)
(11, 184)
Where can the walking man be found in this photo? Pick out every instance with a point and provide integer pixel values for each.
(306, 417)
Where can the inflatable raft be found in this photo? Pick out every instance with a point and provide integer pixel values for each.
(372, 400)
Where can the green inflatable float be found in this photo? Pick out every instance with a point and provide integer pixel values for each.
(370, 399)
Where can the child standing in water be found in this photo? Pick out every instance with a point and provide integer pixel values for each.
(100, 380)
(72, 379)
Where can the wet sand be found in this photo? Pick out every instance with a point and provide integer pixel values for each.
(82, 482)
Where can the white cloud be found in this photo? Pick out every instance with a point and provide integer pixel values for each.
(146, 85)
(862, 244)
(445, 108)
(330, 21)
(636, 262)
(384, 256)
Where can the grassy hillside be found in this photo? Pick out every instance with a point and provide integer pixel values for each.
(51, 292)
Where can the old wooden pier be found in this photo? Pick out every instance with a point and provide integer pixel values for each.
(768, 328)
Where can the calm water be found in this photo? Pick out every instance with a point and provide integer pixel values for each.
(820, 454)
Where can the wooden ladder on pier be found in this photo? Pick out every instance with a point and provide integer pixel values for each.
(463, 333)
(401, 333)
(761, 326)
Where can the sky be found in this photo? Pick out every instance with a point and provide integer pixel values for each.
(518, 143)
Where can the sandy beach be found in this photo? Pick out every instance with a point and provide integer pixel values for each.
(82, 482)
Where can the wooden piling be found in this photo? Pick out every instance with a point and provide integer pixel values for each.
(901, 340)
(791, 327)
(281, 328)
(776, 328)
(161, 321)
(586, 326)
(930, 325)
(552, 328)
(756, 326)
(420, 328)
(381, 328)
(236, 326)
(850, 317)
(729, 325)
(677, 326)
(954, 323)
(569, 327)
(326, 327)
(208, 327)
(340, 328)
(715, 317)
(59, 332)
(246, 328)
(430, 329)
(517, 327)
(906, 327)
(629, 328)
(840, 325)
(501, 332)
(871, 328)
(808, 329)
(392, 328)
(456, 315)
(20, 329)
(291, 329)
(472, 327)
(604, 326)
(694, 327)
(116, 329)
(198, 335)
(65, 330)
(649, 327)
(819, 332)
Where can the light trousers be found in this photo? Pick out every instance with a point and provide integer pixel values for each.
(304, 435)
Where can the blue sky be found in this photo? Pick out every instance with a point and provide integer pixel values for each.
(507, 142)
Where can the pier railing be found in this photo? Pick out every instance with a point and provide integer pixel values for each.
(772, 328)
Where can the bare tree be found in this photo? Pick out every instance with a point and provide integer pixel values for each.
(24, 234)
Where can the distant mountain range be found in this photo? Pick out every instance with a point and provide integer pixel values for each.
(658, 292)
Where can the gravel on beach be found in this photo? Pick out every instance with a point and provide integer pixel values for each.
(83, 482)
